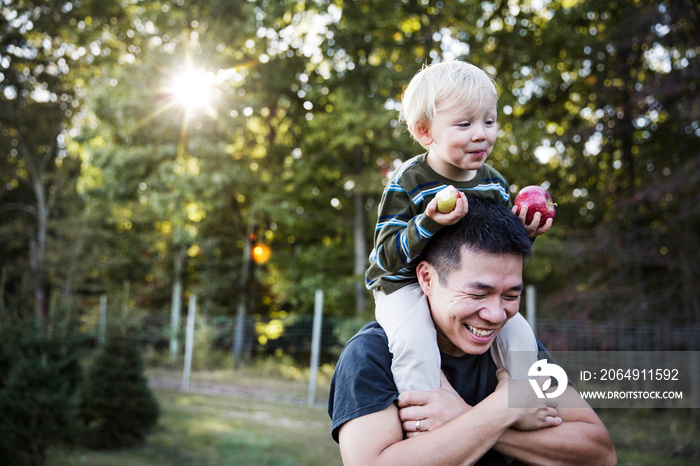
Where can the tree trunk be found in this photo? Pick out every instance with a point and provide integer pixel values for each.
(360, 246)
(38, 245)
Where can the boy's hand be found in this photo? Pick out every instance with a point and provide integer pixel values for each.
(534, 229)
(460, 210)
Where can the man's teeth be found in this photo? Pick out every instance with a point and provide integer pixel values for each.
(479, 333)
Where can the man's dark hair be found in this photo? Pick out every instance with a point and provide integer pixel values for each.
(489, 228)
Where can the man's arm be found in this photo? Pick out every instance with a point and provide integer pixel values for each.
(580, 439)
(377, 438)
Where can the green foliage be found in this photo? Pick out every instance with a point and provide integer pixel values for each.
(118, 407)
(39, 391)
(598, 103)
(41, 92)
(641, 262)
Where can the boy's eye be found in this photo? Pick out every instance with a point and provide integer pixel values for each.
(465, 124)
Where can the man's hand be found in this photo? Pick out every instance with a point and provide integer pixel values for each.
(432, 408)
(535, 413)
(534, 229)
(460, 210)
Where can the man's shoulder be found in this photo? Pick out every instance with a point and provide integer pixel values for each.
(362, 382)
(371, 338)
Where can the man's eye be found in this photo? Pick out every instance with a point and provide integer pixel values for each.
(511, 297)
(477, 296)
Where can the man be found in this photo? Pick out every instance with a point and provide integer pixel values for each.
(471, 275)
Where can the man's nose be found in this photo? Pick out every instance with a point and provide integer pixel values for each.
(493, 311)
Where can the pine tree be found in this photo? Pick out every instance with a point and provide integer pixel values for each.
(119, 408)
(40, 379)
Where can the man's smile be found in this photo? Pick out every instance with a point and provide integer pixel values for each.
(479, 332)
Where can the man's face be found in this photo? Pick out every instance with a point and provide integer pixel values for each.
(475, 302)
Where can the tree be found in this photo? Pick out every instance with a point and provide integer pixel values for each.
(606, 94)
(40, 378)
(118, 408)
(43, 49)
(598, 103)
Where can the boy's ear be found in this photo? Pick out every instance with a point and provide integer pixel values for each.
(421, 132)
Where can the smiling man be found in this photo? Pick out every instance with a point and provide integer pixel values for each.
(471, 275)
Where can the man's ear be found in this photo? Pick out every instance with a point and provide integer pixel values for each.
(421, 131)
(426, 275)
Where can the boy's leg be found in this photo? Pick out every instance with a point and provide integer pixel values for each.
(515, 348)
(405, 317)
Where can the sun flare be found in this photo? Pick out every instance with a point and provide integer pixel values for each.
(193, 89)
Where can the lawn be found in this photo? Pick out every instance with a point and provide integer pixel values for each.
(262, 419)
(204, 429)
(658, 437)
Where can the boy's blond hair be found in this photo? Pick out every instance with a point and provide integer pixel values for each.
(440, 86)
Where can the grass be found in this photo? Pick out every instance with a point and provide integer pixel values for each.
(213, 430)
(660, 437)
(257, 415)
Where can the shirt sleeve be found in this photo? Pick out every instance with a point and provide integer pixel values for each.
(362, 382)
(401, 233)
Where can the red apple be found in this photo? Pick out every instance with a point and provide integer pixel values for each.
(536, 199)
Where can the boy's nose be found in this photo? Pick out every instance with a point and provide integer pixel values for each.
(478, 134)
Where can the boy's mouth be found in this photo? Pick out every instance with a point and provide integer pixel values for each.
(478, 153)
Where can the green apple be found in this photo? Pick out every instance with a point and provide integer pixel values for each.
(447, 199)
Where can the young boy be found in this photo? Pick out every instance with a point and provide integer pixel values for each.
(450, 109)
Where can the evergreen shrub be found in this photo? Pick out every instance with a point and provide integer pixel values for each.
(119, 409)
(40, 378)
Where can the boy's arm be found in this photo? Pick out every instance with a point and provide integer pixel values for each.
(401, 235)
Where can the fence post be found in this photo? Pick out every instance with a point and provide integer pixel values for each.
(102, 322)
(189, 342)
(175, 319)
(695, 380)
(531, 307)
(315, 347)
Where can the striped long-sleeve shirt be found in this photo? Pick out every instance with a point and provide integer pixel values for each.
(403, 230)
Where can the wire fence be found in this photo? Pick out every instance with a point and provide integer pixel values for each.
(293, 336)
(589, 336)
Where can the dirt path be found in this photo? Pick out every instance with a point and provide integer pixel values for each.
(264, 392)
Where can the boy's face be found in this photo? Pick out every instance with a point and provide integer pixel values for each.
(461, 138)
